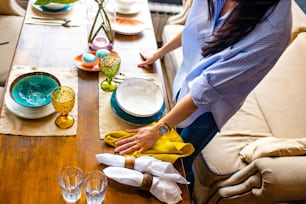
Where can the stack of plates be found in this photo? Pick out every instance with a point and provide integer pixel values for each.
(29, 95)
(138, 101)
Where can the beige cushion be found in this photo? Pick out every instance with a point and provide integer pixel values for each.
(247, 125)
(10, 27)
(272, 147)
(298, 20)
(249, 120)
(11, 7)
(281, 95)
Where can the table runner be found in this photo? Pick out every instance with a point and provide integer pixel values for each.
(108, 120)
(12, 124)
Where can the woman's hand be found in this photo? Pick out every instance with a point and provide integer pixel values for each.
(149, 57)
(143, 140)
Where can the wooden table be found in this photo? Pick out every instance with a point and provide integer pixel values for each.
(29, 165)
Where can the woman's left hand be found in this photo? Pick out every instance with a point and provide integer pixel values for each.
(143, 140)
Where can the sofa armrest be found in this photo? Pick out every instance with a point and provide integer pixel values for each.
(283, 178)
(298, 20)
(266, 180)
(181, 17)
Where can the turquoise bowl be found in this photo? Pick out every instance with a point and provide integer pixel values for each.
(33, 89)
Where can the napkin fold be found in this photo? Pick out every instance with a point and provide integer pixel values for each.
(168, 147)
(164, 190)
(143, 164)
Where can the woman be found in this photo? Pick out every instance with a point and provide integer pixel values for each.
(228, 47)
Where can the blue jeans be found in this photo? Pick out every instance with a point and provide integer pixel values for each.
(199, 133)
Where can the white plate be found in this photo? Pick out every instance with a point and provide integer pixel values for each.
(127, 26)
(25, 112)
(135, 9)
(139, 97)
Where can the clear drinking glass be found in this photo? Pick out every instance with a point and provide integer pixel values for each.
(95, 187)
(71, 180)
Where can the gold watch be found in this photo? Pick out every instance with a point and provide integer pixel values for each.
(163, 128)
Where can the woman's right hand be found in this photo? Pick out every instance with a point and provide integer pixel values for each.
(149, 57)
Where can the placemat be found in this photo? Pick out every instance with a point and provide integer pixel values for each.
(13, 125)
(108, 120)
(74, 14)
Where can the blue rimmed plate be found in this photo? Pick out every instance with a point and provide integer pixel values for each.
(45, 9)
(132, 119)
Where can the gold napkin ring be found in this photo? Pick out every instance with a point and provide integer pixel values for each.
(129, 162)
(146, 181)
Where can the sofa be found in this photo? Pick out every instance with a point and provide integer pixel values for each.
(11, 19)
(258, 157)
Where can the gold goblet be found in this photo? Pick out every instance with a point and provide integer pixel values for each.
(110, 65)
(63, 99)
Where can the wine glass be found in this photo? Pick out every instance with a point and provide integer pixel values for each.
(63, 99)
(110, 65)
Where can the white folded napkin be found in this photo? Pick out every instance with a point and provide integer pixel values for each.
(164, 190)
(147, 164)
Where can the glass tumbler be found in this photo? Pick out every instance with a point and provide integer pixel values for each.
(95, 187)
(71, 180)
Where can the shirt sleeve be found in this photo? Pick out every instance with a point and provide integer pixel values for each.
(236, 70)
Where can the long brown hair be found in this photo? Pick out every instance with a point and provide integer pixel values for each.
(240, 22)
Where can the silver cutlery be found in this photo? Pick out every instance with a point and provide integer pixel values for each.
(120, 77)
(52, 21)
(50, 18)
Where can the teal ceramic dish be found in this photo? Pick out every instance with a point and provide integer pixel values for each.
(33, 89)
(133, 119)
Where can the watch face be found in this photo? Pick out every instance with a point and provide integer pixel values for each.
(163, 129)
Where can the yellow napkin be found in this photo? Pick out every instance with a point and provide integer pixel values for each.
(168, 147)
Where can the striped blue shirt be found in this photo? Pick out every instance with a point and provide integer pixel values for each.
(220, 83)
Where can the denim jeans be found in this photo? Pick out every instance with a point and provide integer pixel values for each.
(199, 133)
